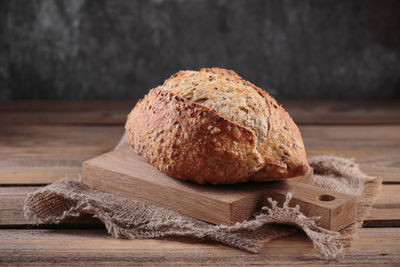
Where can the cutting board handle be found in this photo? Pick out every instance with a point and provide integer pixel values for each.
(336, 210)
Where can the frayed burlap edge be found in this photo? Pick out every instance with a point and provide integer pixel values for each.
(69, 198)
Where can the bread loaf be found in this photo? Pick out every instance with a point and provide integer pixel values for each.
(211, 126)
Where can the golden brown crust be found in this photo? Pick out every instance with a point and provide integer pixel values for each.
(283, 150)
(192, 134)
(190, 141)
(223, 91)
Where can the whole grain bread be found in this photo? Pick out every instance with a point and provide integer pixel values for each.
(211, 126)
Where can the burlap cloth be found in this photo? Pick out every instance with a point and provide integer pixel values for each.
(130, 218)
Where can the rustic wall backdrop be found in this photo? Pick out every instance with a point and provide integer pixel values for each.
(83, 49)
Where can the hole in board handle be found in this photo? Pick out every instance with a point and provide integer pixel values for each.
(326, 198)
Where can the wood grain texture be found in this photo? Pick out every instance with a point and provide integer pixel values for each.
(385, 212)
(115, 112)
(65, 112)
(343, 112)
(125, 173)
(11, 205)
(375, 246)
(43, 154)
(375, 148)
(12, 215)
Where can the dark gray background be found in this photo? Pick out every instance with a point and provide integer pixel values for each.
(98, 49)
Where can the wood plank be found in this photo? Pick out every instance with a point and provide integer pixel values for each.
(12, 215)
(11, 205)
(385, 212)
(114, 112)
(324, 112)
(43, 154)
(375, 148)
(375, 246)
(65, 112)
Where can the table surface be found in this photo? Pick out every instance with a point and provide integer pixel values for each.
(43, 141)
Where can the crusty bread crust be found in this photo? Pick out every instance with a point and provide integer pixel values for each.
(226, 93)
(203, 142)
(192, 142)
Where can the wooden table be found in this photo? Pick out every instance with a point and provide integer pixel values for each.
(43, 141)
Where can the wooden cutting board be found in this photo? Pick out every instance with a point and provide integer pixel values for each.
(125, 173)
